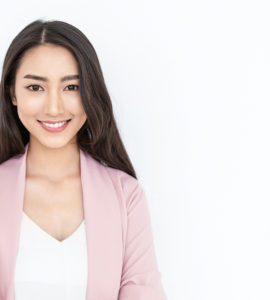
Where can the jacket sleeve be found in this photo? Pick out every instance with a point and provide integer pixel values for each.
(141, 279)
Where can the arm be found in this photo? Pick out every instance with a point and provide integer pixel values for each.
(141, 279)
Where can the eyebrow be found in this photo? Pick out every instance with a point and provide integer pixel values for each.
(40, 78)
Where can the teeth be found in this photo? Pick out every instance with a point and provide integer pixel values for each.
(56, 125)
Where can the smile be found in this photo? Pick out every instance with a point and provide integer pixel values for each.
(54, 127)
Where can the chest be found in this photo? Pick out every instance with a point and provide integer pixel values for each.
(57, 208)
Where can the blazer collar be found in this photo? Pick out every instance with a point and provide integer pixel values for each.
(102, 221)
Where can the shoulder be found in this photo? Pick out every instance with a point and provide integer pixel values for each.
(10, 166)
(126, 185)
(11, 172)
(123, 182)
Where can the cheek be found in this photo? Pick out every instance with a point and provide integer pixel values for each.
(75, 106)
(28, 103)
(32, 104)
(28, 106)
(81, 116)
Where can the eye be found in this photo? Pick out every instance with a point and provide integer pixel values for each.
(35, 87)
(72, 86)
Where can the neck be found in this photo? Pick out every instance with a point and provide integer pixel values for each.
(53, 164)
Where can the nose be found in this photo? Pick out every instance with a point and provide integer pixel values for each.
(54, 104)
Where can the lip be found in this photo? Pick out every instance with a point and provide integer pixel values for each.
(53, 122)
(57, 129)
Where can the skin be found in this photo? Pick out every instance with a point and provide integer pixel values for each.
(53, 192)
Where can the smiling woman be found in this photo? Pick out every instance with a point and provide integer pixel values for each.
(51, 73)
(74, 220)
(51, 102)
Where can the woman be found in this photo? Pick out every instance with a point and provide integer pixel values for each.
(74, 220)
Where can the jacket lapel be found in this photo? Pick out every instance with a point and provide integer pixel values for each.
(102, 219)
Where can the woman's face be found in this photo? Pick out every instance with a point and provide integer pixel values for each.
(47, 89)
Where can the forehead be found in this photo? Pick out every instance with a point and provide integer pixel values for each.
(47, 60)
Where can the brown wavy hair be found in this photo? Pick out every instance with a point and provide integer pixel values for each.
(99, 136)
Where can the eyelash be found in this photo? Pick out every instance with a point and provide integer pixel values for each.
(74, 85)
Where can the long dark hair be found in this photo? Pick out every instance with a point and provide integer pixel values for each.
(105, 144)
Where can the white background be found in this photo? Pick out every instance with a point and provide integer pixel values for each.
(189, 82)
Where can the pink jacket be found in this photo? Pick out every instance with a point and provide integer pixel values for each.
(122, 263)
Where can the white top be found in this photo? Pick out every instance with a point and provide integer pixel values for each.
(47, 268)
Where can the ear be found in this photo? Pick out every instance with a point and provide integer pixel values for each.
(12, 95)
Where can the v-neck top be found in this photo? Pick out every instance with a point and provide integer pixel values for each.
(50, 269)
